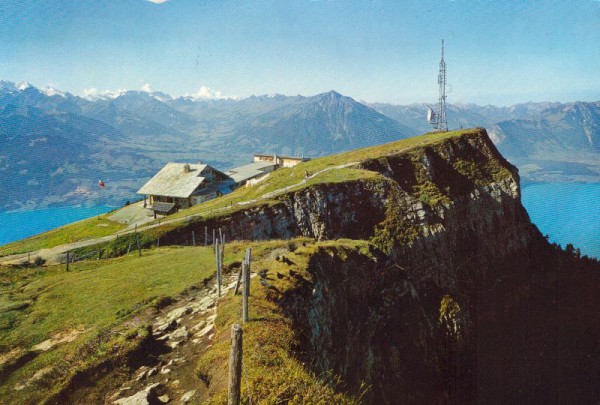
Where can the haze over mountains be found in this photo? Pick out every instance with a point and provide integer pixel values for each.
(56, 146)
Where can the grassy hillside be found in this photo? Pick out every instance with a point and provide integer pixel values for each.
(90, 304)
(84, 336)
(87, 229)
(102, 305)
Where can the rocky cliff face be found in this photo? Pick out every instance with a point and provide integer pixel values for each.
(439, 311)
(419, 191)
(406, 323)
(471, 304)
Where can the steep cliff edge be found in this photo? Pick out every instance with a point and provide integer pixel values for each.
(391, 194)
(460, 299)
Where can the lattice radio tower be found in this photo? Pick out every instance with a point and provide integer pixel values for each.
(438, 118)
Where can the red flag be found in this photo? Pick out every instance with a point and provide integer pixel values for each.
(101, 183)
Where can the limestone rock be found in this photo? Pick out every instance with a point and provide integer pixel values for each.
(145, 397)
(179, 334)
(198, 326)
(206, 330)
(166, 326)
(187, 397)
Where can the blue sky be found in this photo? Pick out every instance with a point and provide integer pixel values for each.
(498, 52)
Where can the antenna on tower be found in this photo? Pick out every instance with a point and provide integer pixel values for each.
(438, 118)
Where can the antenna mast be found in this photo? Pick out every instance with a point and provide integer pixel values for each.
(438, 118)
(442, 120)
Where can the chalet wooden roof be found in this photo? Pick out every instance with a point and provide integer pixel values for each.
(173, 181)
(249, 171)
(272, 155)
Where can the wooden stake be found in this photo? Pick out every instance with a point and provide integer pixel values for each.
(245, 276)
(68, 258)
(249, 269)
(222, 250)
(239, 280)
(206, 236)
(235, 365)
(249, 258)
(214, 238)
(139, 247)
(218, 261)
(193, 238)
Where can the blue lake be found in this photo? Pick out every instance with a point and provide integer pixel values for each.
(15, 225)
(567, 212)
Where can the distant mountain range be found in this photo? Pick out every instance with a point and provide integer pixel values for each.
(547, 141)
(56, 146)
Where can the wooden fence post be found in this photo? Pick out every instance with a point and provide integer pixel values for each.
(245, 276)
(193, 238)
(249, 258)
(222, 250)
(206, 236)
(248, 269)
(239, 279)
(218, 261)
(139, 247)
(68, 258)
(214, 238)
(235, 365)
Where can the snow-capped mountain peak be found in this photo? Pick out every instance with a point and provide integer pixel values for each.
(51, 91)
(93, 94)
(23, 86)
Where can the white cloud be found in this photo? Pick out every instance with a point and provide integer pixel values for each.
(157, 1)
(146, 87)
(206, 93)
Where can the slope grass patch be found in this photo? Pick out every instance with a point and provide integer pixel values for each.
(64, 312)
(87, 229)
